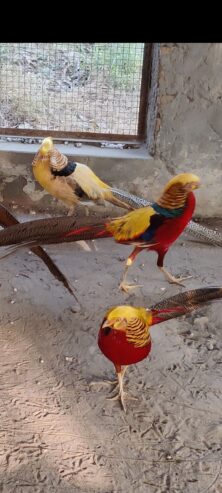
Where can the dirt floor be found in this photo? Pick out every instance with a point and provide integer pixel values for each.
(58, 433)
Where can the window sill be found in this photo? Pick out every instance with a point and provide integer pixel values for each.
(84, 150)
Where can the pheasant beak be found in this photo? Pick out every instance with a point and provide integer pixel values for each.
(117, 323)
(196, 185)
(47, 146)
(193, 186)
(108, 323)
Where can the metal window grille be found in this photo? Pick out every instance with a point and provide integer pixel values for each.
(84, 90)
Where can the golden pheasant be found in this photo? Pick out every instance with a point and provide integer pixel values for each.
(156, 227)
(69, 181)
(151, 228)
(197, 231)
(124, 335)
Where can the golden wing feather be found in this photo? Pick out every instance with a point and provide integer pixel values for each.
(62, 190)
(131, 225)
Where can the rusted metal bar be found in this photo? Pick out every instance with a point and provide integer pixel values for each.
(19, 132)
(144, 91)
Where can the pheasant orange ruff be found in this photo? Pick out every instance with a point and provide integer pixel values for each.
(57, 160)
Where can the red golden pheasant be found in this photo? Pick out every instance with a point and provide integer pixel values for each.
(124, 335)
(156, 227)
(152, 228)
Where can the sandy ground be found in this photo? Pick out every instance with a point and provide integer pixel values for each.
(57, 433)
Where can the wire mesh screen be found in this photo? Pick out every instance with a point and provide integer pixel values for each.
(82, 87)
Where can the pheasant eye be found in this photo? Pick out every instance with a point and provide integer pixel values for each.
(107, 330)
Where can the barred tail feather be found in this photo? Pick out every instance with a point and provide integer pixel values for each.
(52, 230)
(7, 219)
(183, 303)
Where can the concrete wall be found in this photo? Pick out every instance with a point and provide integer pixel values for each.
(188, 137)
(189, 117)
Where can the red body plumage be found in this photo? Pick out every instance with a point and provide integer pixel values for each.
(117, 349)
(170, 230)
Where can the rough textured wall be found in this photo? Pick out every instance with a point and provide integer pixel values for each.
(189, 118)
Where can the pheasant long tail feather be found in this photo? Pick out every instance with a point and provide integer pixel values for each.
(206, 235)
(52, 230)
(55, 271)
(183, 303)
(115, 200)
(6, 220)
(132, 200)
